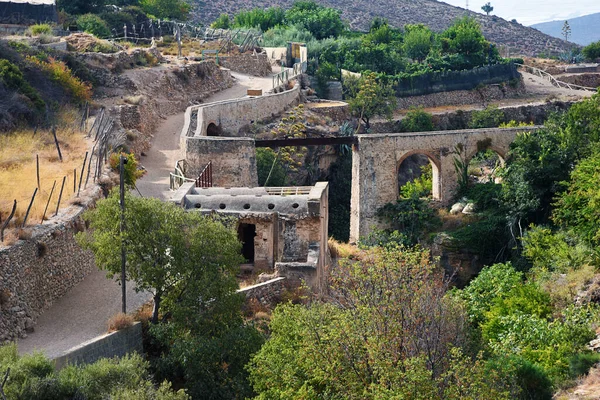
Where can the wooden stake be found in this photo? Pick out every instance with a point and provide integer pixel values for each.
(48, 203)
(81, 174)
(37, 168)
(60, 195)
(56, 142)
(12, 214)
(29, 208)
(74, 179)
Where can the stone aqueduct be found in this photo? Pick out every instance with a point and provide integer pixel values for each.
(376, 157)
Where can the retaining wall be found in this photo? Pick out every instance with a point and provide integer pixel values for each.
(231, 115)
(114, 344)
(40, 269)
(248, 63)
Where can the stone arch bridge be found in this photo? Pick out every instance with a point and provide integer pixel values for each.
(375, 162)
(377, 158)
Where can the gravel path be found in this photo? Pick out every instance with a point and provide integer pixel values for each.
(83, 312)
(164, 153)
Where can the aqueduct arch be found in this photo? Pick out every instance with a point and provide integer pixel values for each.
(376, 159)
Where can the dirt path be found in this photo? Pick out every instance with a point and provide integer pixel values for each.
(80, 315)
(164, 153)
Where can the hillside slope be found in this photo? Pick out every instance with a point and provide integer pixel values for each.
(435, 14)
(584, 30)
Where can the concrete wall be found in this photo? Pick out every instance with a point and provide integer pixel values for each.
(115, 344)
(276, 53)
(231, 115)
(376, 159)
(38, 270)
(233, 159)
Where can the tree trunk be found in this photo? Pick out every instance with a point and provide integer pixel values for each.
(157, 299)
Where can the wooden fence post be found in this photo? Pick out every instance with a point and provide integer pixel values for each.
(56, 143)
(29, 208)
(12, 214)
(60, 195)
(81, 174)
(48, 203)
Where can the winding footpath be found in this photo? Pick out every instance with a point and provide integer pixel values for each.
(83, 313)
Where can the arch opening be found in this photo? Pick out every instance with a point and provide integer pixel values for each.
(418, 175)
(246, 234)
(213, 130)
(484, 166)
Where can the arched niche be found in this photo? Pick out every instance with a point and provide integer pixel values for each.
(409, 167)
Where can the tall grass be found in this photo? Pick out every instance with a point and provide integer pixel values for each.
(18, 177)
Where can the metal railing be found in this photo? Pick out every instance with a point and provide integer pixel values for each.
(288, 74)
(204, 180)
(288, 191)
(555, 82)
(177, 178)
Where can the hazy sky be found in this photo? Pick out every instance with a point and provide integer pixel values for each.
(528, 12)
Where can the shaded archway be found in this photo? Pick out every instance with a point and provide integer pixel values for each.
(246, 234)
(213, 130)
(484, 165)
(421, 169)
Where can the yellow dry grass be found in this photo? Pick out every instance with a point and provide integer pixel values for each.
(342, 250)
(18, 177)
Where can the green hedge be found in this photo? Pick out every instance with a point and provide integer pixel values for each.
(421, 83)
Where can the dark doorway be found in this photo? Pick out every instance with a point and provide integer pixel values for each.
(246, 234)
(213, 130)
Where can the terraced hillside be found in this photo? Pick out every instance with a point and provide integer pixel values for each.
(435, 14)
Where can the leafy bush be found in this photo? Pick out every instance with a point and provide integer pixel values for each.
(592, 51)
(581, 363)
(93, 24)
(417, 120)
(490, 117)
(60, 73)
(130, 168)
(13, 78)
(39, 29)
(412, 217)
(419, 187)
(266, 163)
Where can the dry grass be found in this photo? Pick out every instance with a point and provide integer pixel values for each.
(587, 388)
(144, 313)
(18, 169)
(119, 321)
(342, 250)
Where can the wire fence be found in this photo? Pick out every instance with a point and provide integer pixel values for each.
(105, 140)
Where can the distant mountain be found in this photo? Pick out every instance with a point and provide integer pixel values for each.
(437, 15)
(584, 30)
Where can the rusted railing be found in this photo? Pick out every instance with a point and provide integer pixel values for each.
(205, 179)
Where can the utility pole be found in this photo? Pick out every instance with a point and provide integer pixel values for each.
(122, 162)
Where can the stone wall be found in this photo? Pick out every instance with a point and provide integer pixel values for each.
(230, 115)
(233, 159)
(115, 344)
(587, 80)
(336, 110)
(266, 293)
(377, 157)
(248, 63)
(461, 97)
(37, 271)
(460, 119)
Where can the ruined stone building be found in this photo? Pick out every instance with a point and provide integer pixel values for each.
(282, 230)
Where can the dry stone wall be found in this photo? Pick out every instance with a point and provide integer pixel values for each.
(248, 63)
(37, 271)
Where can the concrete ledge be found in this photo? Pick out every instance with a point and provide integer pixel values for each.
(115, 344)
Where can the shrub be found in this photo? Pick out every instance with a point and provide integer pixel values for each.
(39, 29)
(13, 78)
(119, 321)
(130, 167)
(592, 51)
(581, 363)
(417, 120)
(60, 73)
(93, 24)
(490, 117)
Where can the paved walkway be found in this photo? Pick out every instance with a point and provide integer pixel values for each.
(164, 153)
(83, 312)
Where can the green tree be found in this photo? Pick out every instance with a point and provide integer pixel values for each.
(166, 9)
(369, 98)
(266, 163)
(578, 207)
(93, 24)
(170, 252)
(417, 41)
(592, 51)
(487, 8)
(417, 120)
(223, 22)
(376, 341)
(265, 19)
(77, 7)
(566, 30)
(322, 22)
